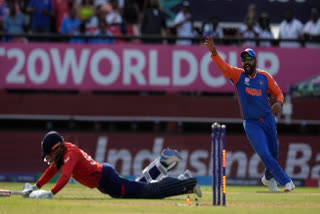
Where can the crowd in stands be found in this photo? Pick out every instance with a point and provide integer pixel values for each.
(290, 28)
(142, 19)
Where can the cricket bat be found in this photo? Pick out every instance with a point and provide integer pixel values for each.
(8, 193)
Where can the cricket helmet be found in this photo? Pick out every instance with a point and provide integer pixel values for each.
(52, 143)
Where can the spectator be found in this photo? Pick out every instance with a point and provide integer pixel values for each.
(249, 17)
(92, 25)
(85, 10)
(61, 8)
(131, 18)
(14, 23)
(4, 8)
(183, 24)
(102, 32)
(264, 30)
(213, 29)
(311, 29)
(42, 12)
(113, 16)
(71, 26)
(100, 15)
(113, 20)
(154, 23)
(251, 14)
(249, 32)
(290, 28)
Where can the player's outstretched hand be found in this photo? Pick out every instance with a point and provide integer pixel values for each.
(210, 44)
(276, 108)
(41, 194)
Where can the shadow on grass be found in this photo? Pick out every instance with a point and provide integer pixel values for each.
(84, 199)
(268, 192)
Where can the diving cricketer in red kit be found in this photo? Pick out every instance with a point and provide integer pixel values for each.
(71, 161)
(252, 86)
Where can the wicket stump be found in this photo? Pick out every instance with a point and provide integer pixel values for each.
(219, 181)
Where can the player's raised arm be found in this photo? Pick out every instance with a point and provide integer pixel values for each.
(230, 72)
(210, 45)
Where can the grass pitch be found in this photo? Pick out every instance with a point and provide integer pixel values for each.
(79, 199)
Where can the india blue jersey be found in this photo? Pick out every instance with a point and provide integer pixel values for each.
(251, 91)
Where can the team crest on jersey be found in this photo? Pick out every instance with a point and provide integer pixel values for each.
(246, 80)
(261, 82)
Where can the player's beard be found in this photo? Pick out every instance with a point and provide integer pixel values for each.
(249, 71)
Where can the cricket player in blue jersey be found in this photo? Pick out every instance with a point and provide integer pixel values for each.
(252, 86)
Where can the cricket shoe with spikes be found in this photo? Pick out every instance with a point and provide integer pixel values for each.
(289, 186)
(271, 184)
(197, 190)
(169, 156)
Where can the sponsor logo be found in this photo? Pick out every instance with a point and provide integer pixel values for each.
(301, 160)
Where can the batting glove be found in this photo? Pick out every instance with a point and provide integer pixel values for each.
(27, 189)
(41, 194)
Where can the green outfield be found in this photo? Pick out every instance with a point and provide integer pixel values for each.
(78, 199)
